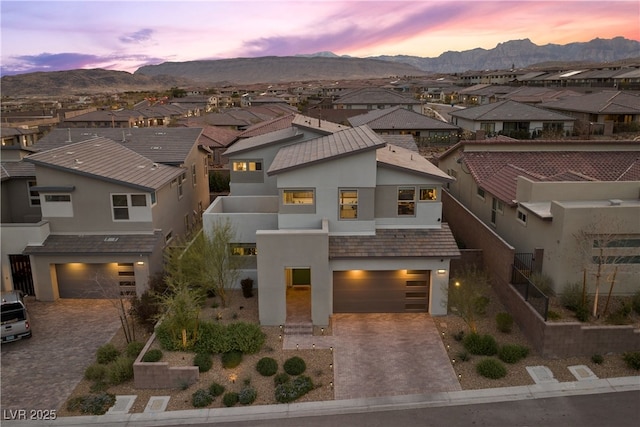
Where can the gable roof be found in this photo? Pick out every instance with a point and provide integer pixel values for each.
(277, 123)
(374, 95)
(339, 144)
(215, 136)
(107, 160)
(162, 145)
(317, 125)
(399, 118)
(264, 140)
(393, 157)
(17, 170)
(508, 111)
(405, 141)
(600, 102)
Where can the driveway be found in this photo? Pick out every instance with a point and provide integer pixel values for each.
(41, 372)
(389, 354)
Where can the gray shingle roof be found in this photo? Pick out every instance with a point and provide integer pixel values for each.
(161, 145)
(407, 160)
(509, 111)
(96, 244)
(104, 159)
(344, 143)
(399, 118)
(391, 243)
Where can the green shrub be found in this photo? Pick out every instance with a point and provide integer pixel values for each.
(281, 378)
(571, 296)
(247, 396)
(597, 359)
(458, 336)
(553, 315)
(231, 359)
(153, 355)
(107, 353)
(635, 302)
(621, 316)
(146, 309)
(632, 358)
(480, 344)
(99, 386)
(133, 349)
(267, 366)
(582, 313)
(216, 389)
(511, 353)
(120, 370)
(292, 390)
(92, 404)
(247, 338)
(463, 356)
(491, 368)
(294, 366)
(504, 322)
(201, 398)
(481, 304)
(203, 361)
(230, 399)
(213, 338)
(95, 372)
(167, 339)
(543, 282)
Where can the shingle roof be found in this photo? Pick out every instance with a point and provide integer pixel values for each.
(344, 143)
(275, 137)
(17, 170)
(400, 158)
(399, 118)
(162, 145)
(509, 111)
(375, 95)
(391, 243)
(104, 159)
(90, 244)
(599, 102)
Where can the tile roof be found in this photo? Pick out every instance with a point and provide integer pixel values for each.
(89, 244)
(104, 159)
(399, 118)
(508, 111)
(400, 158)
(403, 141)
(277, 123)
(275, 137)
(215, 136)
(344, 143)
(392, 243)
(374, 95)
(599, 102)
(317, 124)
(162, 145)
(17, 170)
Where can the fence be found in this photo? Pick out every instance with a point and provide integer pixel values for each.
(521, 281)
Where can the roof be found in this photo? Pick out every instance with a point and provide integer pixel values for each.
(392, 243)
(267, 139)
(405, 141)
(104, 116)
(320, 125)
(17, 170)
(339, 144)
(90, 244)
(374, 95)
(104, 159)
(508, 111)
(399, 118)
(215, 136)
(600, 102)
(277, 123)
(400, 158)
(161, 145)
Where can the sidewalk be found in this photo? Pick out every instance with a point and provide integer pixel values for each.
(309, 409)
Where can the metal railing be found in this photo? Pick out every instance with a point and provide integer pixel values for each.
(521, 270)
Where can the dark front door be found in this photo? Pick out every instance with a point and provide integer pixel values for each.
(21, 273)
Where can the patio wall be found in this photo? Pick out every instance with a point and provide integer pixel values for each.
(160, 374)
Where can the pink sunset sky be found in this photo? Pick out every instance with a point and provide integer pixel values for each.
(124, 35)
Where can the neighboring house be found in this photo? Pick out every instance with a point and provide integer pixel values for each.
(538, 195)
(400, 121)
(103, 119)
(350, 222)
(482, 94)
(107, 209)
(12, 136)
(218, 139)
(513, 119)
(375, 99)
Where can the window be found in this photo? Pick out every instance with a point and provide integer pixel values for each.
(522, 217)
(181, 180)
(480, 193)
(488, 127)
(243, 249)
(428, 194)
(153, 198)
(34, 197)
(120, 206)
(138, 200)
(193, 175)
(244, 166)
(127, 206)
(57, 198)
(297, 197)
(187, 225)
(348, 204)
(406, 201)
(496, 207)
(168, 237)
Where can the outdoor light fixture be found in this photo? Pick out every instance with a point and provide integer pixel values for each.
(330, 365)
(443, 334)
(442, 271)
(331, 384)
(331, 348)
(280, 337)
(457, 283)
(297, 347)
(232, 378)
(140, 262)
(322, 331)
(313, 346)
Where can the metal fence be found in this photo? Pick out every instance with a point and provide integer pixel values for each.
(521, 270)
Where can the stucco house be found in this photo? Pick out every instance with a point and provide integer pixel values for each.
(339, 216)
(539, 196)
(373, 98)
(90, 216)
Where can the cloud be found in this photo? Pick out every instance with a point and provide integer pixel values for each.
(139, 36)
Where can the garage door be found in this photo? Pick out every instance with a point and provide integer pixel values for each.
(394, 291)
(83, 280)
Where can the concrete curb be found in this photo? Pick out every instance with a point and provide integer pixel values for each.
(350, 406)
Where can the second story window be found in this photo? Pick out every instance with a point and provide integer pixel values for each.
(428, 194)
(247, 166)
(129, 207)
(181, 180)
(406, 201)
(297, 197)
(34, 197)
(348, 204)
(194, 178)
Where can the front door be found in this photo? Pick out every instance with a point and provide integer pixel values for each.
(21, 274)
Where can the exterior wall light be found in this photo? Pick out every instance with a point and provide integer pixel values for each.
(442, 271)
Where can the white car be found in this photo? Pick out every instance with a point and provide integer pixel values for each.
(15, 318)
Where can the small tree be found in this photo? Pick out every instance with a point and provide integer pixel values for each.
(110, 289)
(467, 294)
(180, 306)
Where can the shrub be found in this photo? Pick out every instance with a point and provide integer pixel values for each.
(292, 390)
(632, 359)
(553, 315)
(230, 399)
(620, 316)
(294, 366)
(216, 389)
(213, 338)
(511, 353)
(635, 302)
(153, 355)
(281, 378)
(203, 361)
(95, 372)
(571, 296)
(491, 368)
(133, 349)
(504, 322)
(267, 366)
(93, 404)
(247, 338)
(481, 304)
(543, 282)
(582, 313)
(458, 336)
(201, 398)
(146, 309)
(107, 353)
(463, 356)
(120, 370)
(597, 359)
(231, 359)
(247, 396)
(480, 344)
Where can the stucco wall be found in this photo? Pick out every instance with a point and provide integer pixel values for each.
(15, 237)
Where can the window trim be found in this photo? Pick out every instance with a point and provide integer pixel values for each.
(522, 217)
(407, 202)
(129, 205)
(341, 204)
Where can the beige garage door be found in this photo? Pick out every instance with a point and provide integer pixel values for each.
(392, 291)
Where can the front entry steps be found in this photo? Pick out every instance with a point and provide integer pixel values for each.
(298, 328)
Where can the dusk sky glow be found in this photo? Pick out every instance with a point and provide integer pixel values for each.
(124, 35)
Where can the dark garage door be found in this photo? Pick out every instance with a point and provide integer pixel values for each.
(393, 291)
(82, 280)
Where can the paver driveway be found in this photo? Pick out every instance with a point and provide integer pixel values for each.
(389, 354)
(41, 372)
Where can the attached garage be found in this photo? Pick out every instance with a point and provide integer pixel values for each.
(84, 280)
(389, 291)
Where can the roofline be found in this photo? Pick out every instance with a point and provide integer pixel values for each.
(267, 144)
(413, 171)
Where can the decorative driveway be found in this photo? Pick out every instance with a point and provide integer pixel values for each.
(41, 372)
